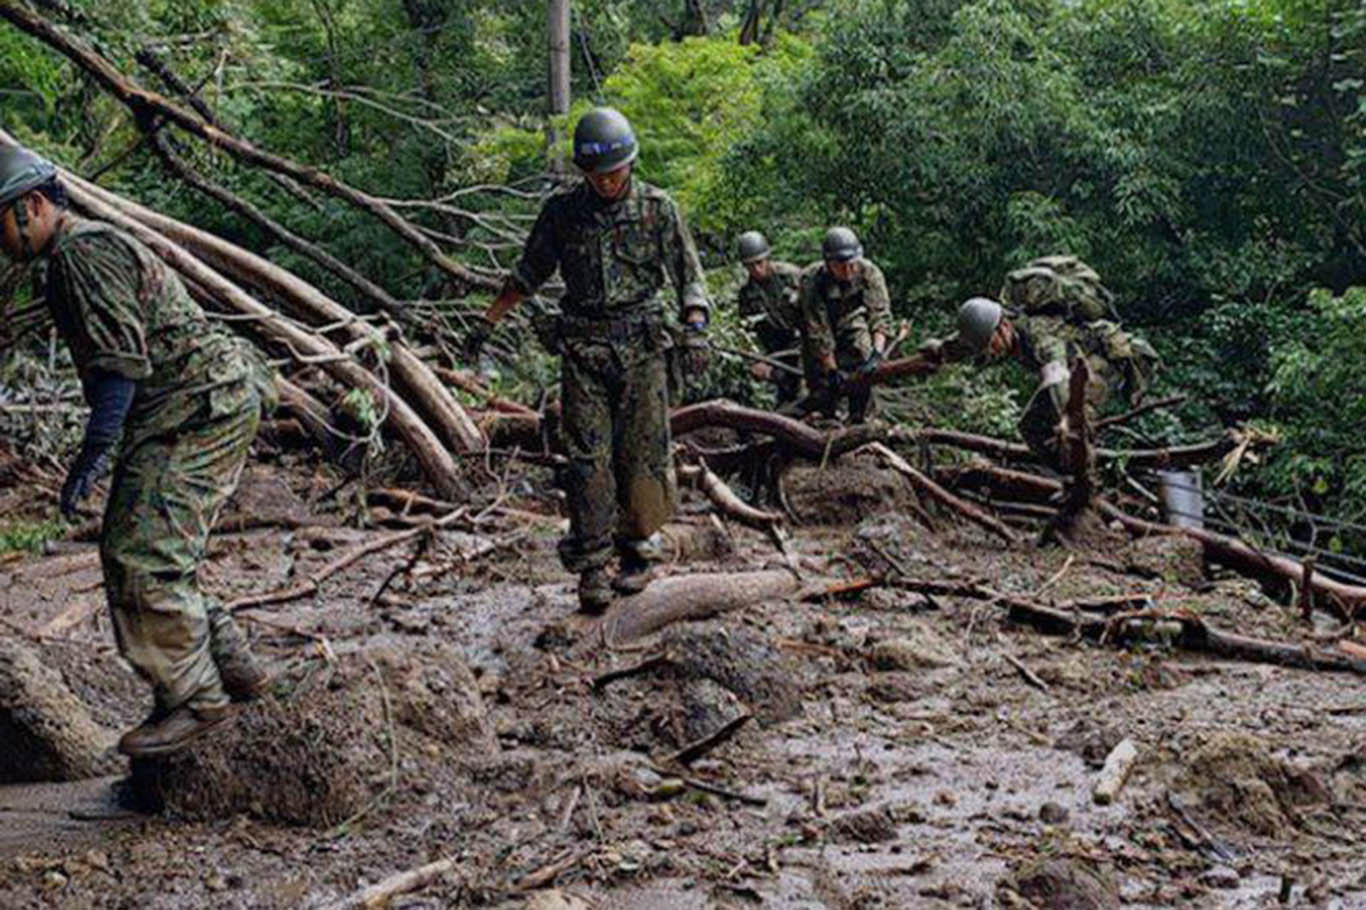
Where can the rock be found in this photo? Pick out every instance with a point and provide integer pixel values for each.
(867, 826)
(1065, 884)
(1052, 814)
(918, 647)
(742, 661)
(48, 733)
(707, 707)
(1175, 559)
(1221, 877)
(555, 899)
(1091, 740)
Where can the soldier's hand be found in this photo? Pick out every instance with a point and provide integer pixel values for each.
(761, 371)
(870, 363)
(479, 332)
(696, 348)
(79, 481)
(834, 380)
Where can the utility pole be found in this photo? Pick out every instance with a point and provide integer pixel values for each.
(558, 47)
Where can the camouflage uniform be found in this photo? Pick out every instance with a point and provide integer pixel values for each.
(771, 307)
(841, 318)
(184, 444)
(616, 257)
(1114, 357)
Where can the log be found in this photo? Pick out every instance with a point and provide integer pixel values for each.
(146, 104)
(382, 892)
(689, 597)
(929, 488)
(309, 411)
(1111, 780)
(415, 380)
(1343, 600)
(726, 500)
(436, 461)
(468, 383)
(1173, 457)
(792, 434)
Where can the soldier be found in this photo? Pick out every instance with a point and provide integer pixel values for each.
(847, 318)
(1055, 309)
(617, 242)
(770, 305)
(182, 399)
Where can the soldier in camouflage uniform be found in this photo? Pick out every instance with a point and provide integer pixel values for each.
(182, 399)
(847, 317)
(1056, 310)
(618, 242)
(770, 305)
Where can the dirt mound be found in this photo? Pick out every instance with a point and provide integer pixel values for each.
(1065, 884)
(47, 731)
(304, 756)
(845, 493)
(1233, 780)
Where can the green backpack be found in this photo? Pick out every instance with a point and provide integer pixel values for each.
(1059, 286)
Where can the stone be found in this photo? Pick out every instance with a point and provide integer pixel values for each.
(48, 733)
(916, 647)
(1221, 877)
(1052, 814)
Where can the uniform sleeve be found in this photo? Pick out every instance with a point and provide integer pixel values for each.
(103, 280)
(820, 341)
(681, 259)
(879, 303)
(541, 254)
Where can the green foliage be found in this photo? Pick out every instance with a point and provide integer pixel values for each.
(27, 535)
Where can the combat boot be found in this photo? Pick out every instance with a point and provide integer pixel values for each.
(595, 592)
(635, 575)
(170, 731)
(243, 676)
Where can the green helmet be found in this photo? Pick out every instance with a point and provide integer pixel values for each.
(753, 246)
(978, 318)
(604, 141)
(21, 172)
(840, 245)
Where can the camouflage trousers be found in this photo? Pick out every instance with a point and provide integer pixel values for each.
(615, 425)
(851, 350)
(167, 491)
(1043, 428)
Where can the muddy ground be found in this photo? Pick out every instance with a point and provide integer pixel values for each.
(894, 756)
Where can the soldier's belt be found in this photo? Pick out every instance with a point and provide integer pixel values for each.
(619, 329)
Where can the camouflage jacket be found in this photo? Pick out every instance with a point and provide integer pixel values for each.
(1116, 357)
(837, 314)
(772, 306)
(120, 309)
(615, 256)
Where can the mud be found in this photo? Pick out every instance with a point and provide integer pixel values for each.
(895, 759)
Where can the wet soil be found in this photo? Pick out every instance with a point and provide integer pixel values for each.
(894, 758)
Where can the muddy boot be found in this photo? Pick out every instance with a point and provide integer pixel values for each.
(243, 676)
(635, 575)
(170, 731)
(595, 592)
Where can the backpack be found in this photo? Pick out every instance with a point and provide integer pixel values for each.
(1061, 286)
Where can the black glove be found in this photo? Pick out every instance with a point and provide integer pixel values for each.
(834, 381)
(110, 397)
(870, 363)
(479, 333)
